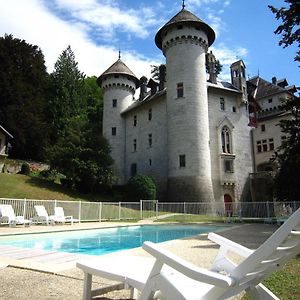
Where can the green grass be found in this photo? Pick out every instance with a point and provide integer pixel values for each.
(189, 218)
(22, 186)
(286, 282)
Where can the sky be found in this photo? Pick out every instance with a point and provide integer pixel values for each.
(97, 29)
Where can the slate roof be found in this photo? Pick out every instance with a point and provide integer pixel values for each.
(118, 68)
(224, 86)
(265, 88)
(185, 17)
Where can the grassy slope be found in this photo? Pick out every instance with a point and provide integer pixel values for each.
(21, 186)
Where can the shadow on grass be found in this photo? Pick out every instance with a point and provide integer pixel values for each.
(57, 188)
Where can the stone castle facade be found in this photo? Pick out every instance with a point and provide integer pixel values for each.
(190, 134)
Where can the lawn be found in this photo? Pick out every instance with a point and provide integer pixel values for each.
(22, 186)
(286, 282)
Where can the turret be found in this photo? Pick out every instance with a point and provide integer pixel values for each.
(238, 77)
(119, 85)
(184, 41)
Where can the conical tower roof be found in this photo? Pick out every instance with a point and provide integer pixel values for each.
(185, 17)
(118, 68)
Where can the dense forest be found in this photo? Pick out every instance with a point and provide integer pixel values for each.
(54, 118)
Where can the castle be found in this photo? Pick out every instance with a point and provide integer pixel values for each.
(190, 134)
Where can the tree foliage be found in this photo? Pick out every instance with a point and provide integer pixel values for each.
(141, 187)
(66, 93)
(23, 93)
(79, 150)
(287, 180)
(289, 29)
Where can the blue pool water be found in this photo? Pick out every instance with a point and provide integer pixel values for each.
(103, 241)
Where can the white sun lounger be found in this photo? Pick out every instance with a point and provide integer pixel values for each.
(42, 215)
(170, 277)
(7, 215)
(60, 217)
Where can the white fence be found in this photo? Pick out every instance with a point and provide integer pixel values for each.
(145, 209)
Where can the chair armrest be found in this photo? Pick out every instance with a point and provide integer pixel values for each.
(230, 245)
(186, 268)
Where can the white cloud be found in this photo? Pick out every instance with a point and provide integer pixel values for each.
(108, 16)
(31, 21)
(227, 56)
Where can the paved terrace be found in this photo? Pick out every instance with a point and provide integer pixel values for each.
(39, 274)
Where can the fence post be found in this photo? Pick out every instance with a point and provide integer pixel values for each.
(100, 211)
(119, 211)
(184, 208)
(268, 210)
(24, 208)
(156, 208)
(141, 209)
(79, 211)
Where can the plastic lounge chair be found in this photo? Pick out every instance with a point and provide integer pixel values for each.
(42, 215)
(8, 216)
(171, 277)
(60, 217)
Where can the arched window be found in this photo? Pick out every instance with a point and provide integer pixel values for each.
(226, 140)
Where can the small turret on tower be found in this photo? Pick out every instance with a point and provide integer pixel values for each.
(119, 84)
(238, 77)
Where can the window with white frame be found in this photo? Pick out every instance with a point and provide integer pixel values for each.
(226, 140)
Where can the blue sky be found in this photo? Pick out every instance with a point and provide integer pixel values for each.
(97, 29)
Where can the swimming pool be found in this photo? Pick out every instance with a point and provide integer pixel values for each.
(108, 240)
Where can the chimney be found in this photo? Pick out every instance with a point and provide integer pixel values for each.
(211, 66)
(274, 80)
(143, 87)
(162, 77)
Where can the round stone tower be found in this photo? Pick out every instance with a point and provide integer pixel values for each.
(184, 41)
(118, 84)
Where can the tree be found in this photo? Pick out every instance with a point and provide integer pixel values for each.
(23, 94)
(287, 179)
(141, 187)
(289, 29)
(66, 93)
(81, 153)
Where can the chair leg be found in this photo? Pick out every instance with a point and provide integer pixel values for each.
(260, 292)
(87, 286)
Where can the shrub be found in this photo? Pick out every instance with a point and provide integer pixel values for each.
(141, 187)
(25, 169)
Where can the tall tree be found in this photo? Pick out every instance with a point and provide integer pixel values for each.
(287, 180)
(67, 90)
(23, 90)
(289, 29)
(80, 152)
